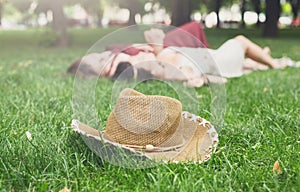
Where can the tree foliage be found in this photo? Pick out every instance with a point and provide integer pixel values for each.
(21, 5)
(180, 10)
(134, 7)
(93, 8)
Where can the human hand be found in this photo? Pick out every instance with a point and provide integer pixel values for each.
(195, 82)
(154, 36)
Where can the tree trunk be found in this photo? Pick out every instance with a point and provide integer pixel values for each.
(272, 16)
(99, 18)
(295, 7)
(59, 23)
(217, 9)
(243, 10)
(181, 12)
(1, 11)
(257, 9)
(132, 14)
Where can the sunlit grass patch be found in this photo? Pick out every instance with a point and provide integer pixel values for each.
(261, 125)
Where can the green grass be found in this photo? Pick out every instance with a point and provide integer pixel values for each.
(261, 124)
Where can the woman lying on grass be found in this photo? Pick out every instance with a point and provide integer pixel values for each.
(234, 58)
(106, 63)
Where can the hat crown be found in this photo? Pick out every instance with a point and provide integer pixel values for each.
(139, 119)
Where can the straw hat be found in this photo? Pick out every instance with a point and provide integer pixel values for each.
(153, 127)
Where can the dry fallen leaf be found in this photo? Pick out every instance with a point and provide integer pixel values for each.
(65, 189)
(199, 96)
(276, 167)
(265, 89)
(32, 118)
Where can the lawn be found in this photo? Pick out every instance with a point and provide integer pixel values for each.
(261, 123)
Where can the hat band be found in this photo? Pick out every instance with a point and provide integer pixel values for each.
(147, 148)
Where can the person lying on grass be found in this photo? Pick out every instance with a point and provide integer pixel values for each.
(105, 64)
(192, 35)
(233, 58)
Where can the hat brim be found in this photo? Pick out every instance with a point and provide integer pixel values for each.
(198, 147)
(111, 152)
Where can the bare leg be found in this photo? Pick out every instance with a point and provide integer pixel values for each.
(256, 53)
(250, 64)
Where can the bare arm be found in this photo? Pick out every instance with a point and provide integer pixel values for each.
(155, 38)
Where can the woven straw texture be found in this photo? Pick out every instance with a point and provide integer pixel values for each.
(142, 120)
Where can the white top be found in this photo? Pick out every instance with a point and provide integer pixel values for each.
(226, 61)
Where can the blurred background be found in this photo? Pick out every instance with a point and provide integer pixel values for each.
(58, 16)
